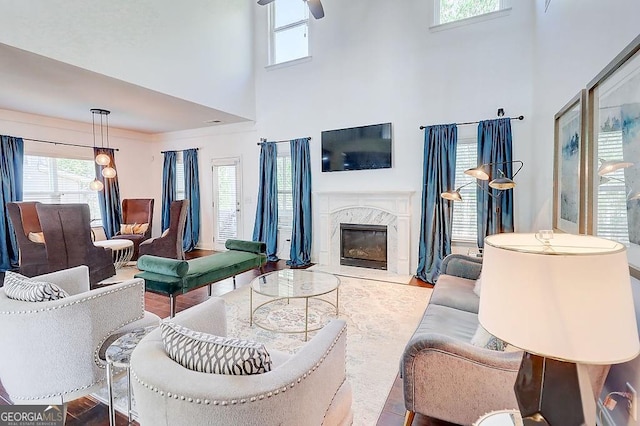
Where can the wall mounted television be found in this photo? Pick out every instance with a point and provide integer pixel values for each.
(357, 148)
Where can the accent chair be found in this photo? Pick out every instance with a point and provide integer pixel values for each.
(53, 351)
(169, 244)
(136, 211)
(306, 388)
(33, 255)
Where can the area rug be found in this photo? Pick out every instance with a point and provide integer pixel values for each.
(380, 316)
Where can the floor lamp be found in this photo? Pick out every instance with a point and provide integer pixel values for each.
(566, 301)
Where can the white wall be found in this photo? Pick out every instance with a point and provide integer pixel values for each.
(376, 61)
(199, 51)
(574, 41)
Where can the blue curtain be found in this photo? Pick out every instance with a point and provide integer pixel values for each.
(109, 197)
(11, 164)
(192, 192)
(437, 213)
(494, 146)
(266, 226)
(168, 186)
(301, 233)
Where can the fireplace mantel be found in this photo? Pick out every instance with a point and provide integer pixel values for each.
(390, 208)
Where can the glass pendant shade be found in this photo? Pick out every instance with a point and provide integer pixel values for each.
(103, 159)
(96, 185)
(109, 172)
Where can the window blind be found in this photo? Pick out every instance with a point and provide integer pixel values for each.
(464, 212)
(227, 211)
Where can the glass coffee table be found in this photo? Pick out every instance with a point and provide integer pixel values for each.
(290, 284)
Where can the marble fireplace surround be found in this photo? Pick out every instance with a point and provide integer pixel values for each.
(390, 208)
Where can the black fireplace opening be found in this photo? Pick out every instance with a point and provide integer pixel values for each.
(363, 245)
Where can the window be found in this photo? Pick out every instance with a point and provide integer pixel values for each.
(447, 11)
(612, 192)
(288, 24)
(60, 180)
(180, 189)
(465, 212)
(285, 190)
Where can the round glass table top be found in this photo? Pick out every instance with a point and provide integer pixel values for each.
(293, 283)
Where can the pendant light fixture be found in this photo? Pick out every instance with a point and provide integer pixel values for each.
(103, 159)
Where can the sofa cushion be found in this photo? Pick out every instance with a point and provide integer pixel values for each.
(451, 322)
(455, 292)
(19, 287)
(207, 353)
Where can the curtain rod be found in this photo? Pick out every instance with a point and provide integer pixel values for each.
(520, 117)
(263, 140)
(162, 152)
(64, 143)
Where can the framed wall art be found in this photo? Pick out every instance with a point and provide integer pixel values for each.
(569, 204)
(614, 153)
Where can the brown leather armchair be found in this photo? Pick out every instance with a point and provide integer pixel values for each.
(170, 243)
(67, 233)
(33, 255)
(138, 211)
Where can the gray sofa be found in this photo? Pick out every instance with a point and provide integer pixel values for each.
(444, 375)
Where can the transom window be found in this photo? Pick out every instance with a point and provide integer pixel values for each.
(447, 11)
(60, 180)
(288, 29)
(465, 212)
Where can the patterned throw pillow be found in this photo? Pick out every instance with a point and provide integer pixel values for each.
(140, 228)
(19, 287)
(484, 339)
(207, 353)
(127, 229)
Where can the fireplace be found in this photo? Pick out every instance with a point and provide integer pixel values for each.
(363, 245)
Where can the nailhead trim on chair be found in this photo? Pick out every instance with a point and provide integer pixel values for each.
(253, 398)
(96, 358)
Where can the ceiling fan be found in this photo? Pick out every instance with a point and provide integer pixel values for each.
(314, 6)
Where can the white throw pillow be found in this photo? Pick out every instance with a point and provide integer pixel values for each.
(484, 339)
(165, 233)
(207, 353)
(36, 237)
(19, 287)
(478, 285)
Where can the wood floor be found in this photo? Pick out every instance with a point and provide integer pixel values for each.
(86, 411)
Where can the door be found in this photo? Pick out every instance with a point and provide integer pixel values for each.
(227, 214)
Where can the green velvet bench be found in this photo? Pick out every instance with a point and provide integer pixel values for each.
(172, 277)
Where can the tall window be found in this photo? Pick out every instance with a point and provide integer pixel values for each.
(288, 29)
(455, 10)
(285, 190)
(180, 190)
(464, 212)
(60, 180)
(612, 192)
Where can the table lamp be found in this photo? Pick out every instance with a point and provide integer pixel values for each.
(566, 301)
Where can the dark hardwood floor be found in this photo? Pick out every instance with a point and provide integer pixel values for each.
(87, 411)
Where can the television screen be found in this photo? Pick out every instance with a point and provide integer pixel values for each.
(357, 148)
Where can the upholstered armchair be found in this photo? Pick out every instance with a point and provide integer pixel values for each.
(169, 244)
(307, 388)
(67, 234)
(51, 351)
(138, 212)
(33, 255)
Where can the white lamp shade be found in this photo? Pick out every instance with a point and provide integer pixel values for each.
(102, 159)
(96, 185)
(109, 172)
(569, 299)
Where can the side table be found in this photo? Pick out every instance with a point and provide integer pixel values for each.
(500, 418)
(119, 355)
(122, 250)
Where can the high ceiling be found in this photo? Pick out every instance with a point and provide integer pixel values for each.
(39, 85)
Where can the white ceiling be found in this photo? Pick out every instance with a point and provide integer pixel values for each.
(36, 84)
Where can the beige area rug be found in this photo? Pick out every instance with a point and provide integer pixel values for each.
(380, 316)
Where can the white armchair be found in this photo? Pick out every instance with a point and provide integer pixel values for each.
(50, 351)
(307, 388)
